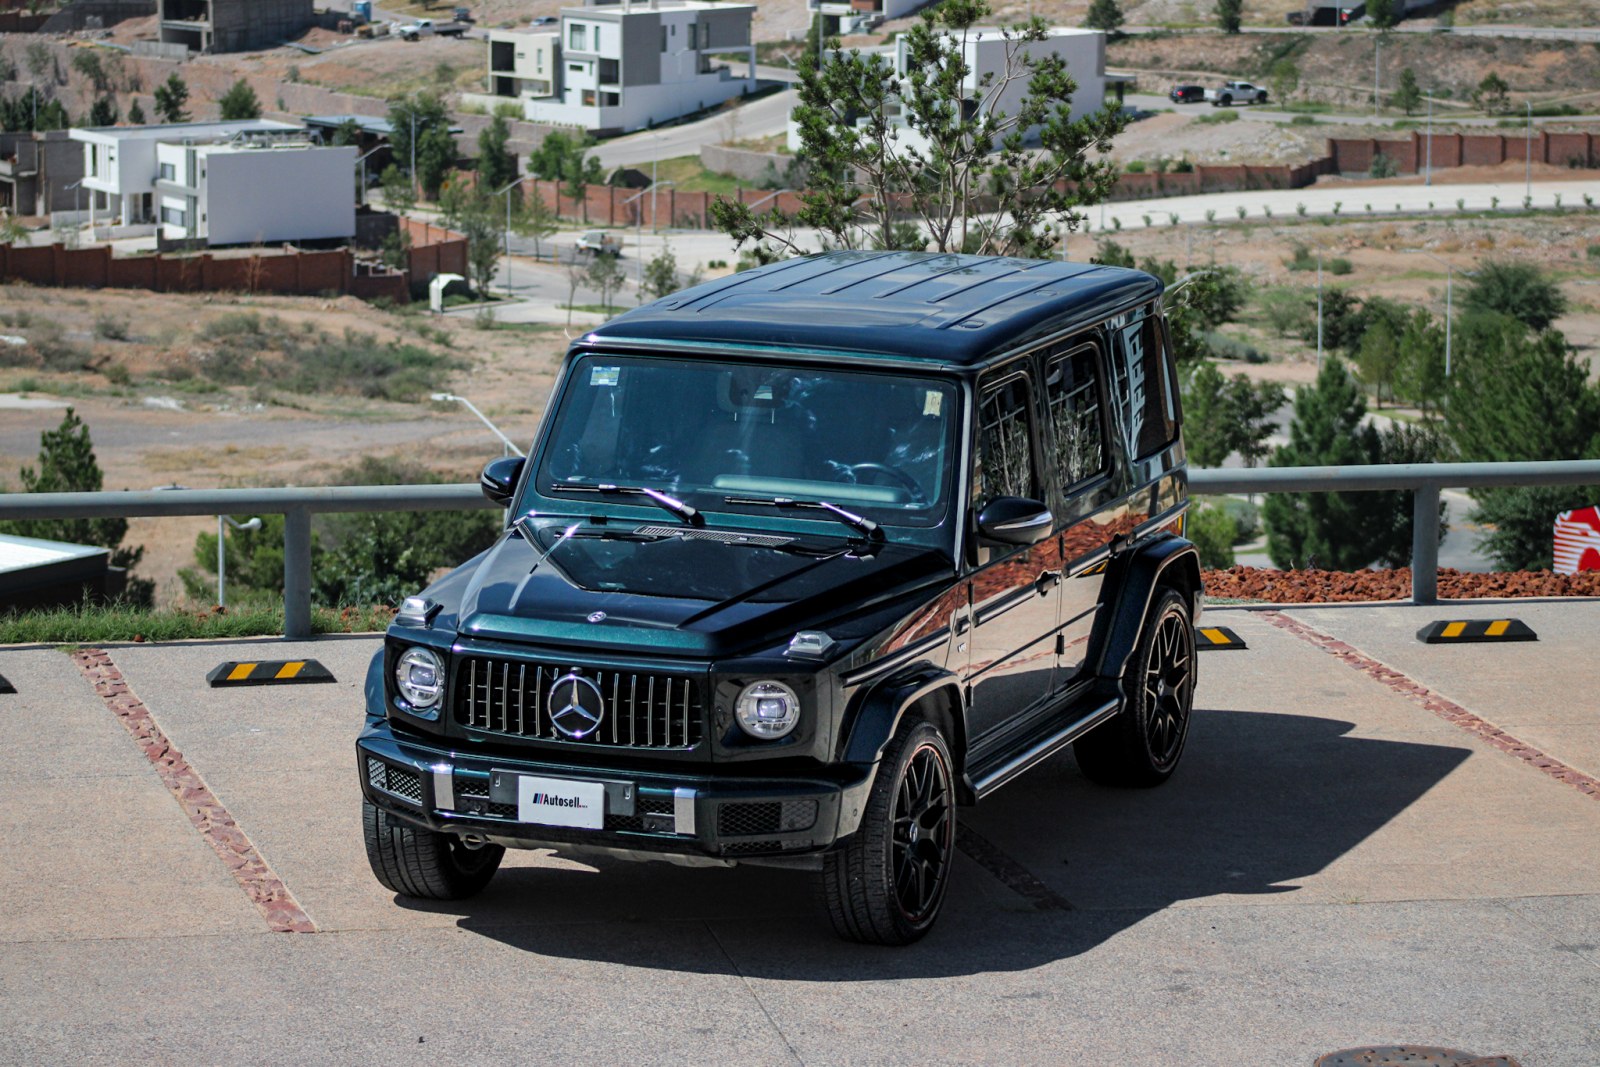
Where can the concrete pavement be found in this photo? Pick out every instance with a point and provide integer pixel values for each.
(1338, 862)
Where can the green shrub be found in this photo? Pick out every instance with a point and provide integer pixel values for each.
(1339, 265)
(1135, 166)
(1213, 532)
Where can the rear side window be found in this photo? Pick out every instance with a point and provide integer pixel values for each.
(1072, 394)
(1005, 442)
(1141, 384)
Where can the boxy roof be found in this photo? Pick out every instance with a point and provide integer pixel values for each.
(954, 309)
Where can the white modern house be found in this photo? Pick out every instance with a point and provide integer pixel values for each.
(985, 52)
(256, 191)
(220, 182)
(857, 15)
(612, 67)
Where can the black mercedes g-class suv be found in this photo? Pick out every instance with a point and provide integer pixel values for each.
(801, 560)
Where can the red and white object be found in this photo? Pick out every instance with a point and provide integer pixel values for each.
(1578, 540)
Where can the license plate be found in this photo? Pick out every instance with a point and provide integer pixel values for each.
(561, 802)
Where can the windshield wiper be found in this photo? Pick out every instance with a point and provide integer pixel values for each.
(856, 522)
(669, 503)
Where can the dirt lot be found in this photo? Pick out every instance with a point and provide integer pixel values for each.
(154, 423)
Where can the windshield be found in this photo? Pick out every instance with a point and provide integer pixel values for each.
(740, 436)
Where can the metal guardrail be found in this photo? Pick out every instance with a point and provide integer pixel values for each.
(1424, 480)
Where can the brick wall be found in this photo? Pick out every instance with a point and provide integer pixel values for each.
(435, 251)
(1570, 148)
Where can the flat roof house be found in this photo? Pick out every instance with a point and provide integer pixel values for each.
(221, 182)
(613, 67)
(985, 51)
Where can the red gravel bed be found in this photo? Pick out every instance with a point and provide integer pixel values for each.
(1320, 587)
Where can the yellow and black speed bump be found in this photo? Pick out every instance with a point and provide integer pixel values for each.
(1461, 632)
(1217, 638)
(5, 686)
(269, 672)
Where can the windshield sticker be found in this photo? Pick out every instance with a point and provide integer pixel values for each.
(933, 403)
(605, 375)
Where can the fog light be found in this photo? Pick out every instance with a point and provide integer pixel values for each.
(419, 675)
(768, 710)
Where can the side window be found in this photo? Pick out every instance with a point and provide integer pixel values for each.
(1072, 393)
(1005, 442)
(1142, 397)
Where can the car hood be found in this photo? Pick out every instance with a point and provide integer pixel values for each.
(688, 593)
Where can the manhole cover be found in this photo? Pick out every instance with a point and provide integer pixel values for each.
(1411, 1056)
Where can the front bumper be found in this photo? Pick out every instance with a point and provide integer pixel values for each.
(683, 817)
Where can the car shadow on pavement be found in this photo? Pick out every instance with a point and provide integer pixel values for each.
(1263, 799)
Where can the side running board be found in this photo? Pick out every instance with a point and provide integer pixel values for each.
(1042, 749)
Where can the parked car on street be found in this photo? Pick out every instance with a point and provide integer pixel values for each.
(801, 560)
(1230, 93)
(598, 243)
(1186, 94)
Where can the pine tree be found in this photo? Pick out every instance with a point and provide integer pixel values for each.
(1420, 377)
(171, 96)
(435, 148)
(240, 103)
(1333, 531)
(136, 113)
(1383, 14)
(1105, 15)
(1514, 396)
(67, 464)
(1229, 15)
(103, 112)
(1408, 97)
(1378, 359)
(497, 167)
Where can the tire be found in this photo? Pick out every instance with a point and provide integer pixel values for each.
(1226, 101)
(1141, 745)
(886, 883)
(415, 862)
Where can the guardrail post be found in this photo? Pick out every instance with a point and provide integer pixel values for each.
(297, 573)
(1425, 544)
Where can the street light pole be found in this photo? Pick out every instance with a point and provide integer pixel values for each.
(1377, 50)
(1449, 312)
(506, 189)
(1528, 157)
(464, 402)
(1319, 311)
(1429, 179)
(222, 562)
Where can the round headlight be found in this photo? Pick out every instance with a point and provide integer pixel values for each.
(419, 675)
(768, 710)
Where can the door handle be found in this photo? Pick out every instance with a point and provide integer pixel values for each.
(961, 624)
(1046, 580)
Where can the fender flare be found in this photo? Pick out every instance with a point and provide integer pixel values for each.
(1166, 560)
(377, 699)
(881, 710)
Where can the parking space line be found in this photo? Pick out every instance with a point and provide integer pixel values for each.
(264, 888)
(1448, 710)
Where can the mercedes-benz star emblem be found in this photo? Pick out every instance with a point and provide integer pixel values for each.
(576, 706)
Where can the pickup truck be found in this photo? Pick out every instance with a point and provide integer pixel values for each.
(1236, 93)
(598, 243)
(413, 31)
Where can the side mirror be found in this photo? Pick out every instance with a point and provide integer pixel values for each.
(1015, 520)
(499, 479)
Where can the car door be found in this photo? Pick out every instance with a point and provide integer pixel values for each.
(1089, 509)
(1012, 611)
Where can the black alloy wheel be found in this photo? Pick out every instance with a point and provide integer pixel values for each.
(1169, 689)
(1142, 743)
(886, 883)
(923, 833)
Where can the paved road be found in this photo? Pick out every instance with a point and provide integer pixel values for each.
(1342, 860)
(761, 117)
(1443, 115)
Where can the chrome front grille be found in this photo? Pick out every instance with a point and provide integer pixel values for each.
(641, 710)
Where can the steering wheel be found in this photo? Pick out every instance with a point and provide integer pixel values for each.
(894, 474)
